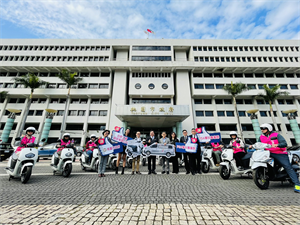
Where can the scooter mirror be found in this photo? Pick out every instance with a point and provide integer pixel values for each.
(17, 139)
(44, 139)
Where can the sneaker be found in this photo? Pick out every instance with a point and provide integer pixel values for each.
(138, 172)
(132, 173)
(240, 168)
(297, 188)
(217, 164)
(154, 172)
(168, 172)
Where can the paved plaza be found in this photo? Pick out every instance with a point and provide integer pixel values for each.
(84, 198)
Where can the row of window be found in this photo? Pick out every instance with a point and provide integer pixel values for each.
(232, 114)
(47, 74)
(151, 48)
(58, 86)
(91, 112)
(247, 48)
(151, 58)
(247, 75)
(246, 59)
(243, 101)
(252, 86)
(151, 101)
(54, 58)
(52, 48)
(57, 101)
(151, 74)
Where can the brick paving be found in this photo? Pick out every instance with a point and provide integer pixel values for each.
(84, 198)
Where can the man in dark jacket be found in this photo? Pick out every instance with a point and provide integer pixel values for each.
(186, 156)
(149, 141)
(196, 158)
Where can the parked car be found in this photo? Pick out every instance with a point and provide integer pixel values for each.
(6, 150)
(295, 150)
(79, 150)
(160, 150)
(47, 151)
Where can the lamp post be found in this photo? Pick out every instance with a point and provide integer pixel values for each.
(294, 124)
(255, 123)
(9, 124)
(48, 122)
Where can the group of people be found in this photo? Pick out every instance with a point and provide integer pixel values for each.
(192, 161)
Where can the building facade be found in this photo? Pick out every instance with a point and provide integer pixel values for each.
(148, 84)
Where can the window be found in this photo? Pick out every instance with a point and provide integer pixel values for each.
(242, 113)
(228, 75)
(219, 101)
(207, 75)
(74, 127)
(283, 86)
(39, 112)
(81, 86)
(199, 113)
(51, 86)
(249, 75)
(230, 113)
(289, 101)
(221, 113)
(263, 113)
(81, 112)
(260, 101)
(54, 100)
(274, 112)
(93, 86)
(280, 101)
(83, 101)
(247, 127)
(62, 86)
(227, 101)
(198, 86)
(75, 101)
(227, 127)
(31, 112)
(103, 86)
(209, 86)
(103, 113)
(198, 101)
(251, 86)
(219, 86)
(104, 101)
(260, 86)
(207, 101)
(13, 100)
(294, 86)
(151, 86)
(9, 85)
(239, 101)
(164, 86)
(272, 85)
(196, 59)
(268, 75)
(153, 48)
(151, 58)
(209, 113)
(284, 114)
(72, 112)
(248, 101)
(95, 101)
(93, 112)
(96, 126)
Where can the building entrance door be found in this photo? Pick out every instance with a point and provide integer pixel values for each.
(145, 132)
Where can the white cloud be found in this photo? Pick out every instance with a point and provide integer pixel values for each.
(227, 19)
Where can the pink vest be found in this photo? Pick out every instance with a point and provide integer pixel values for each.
(237, 147)
(63, 144)
(267, 140)
(215, 147)
(91, 145)
(25, 141)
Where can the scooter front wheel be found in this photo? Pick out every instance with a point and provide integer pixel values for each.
(67, 170)
(260, 178)
(26, 174)
(205, 167)
(224, 172)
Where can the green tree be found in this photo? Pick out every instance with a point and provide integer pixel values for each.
(270, 95)
(234, 90)
(70, 79)
(33, 82)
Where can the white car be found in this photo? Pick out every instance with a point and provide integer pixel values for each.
(134, 148)
(167, 150)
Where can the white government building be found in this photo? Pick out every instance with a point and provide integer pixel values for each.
(160, 84)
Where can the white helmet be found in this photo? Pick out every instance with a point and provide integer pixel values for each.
(30, 129)
(93, 136)
(268, 126)
(233, 133)
(66, 134)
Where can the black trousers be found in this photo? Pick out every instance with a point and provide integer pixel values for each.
(186, 158)
(238, 158)
(192, 161)
(153, 159)
(175, 162)
(198, 159)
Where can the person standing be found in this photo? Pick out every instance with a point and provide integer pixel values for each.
(195, 157)
(174, 160)
(149, 141)
(164, 140)
(103, 159)
(186, 156)
(122, 155)
(136, 159)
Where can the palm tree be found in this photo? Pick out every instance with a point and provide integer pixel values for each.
(70, 79)
(33, 82)
(234, 90)
(271, 94)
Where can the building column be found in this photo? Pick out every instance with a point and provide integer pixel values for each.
(119, 94)
(294, 127)
(2, 112)
(179, 128)
(284, 131)
(183, 97)
(124, 124)
(8, 126)
(217, 123)
(21, 118)
(43, 123)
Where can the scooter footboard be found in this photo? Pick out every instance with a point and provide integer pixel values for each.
(225, 164)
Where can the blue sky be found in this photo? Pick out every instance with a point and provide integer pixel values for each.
(187, 19)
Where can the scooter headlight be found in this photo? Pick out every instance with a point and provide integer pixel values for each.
(205, 154)
(69, 154)
(30, 155)
(224, 155)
